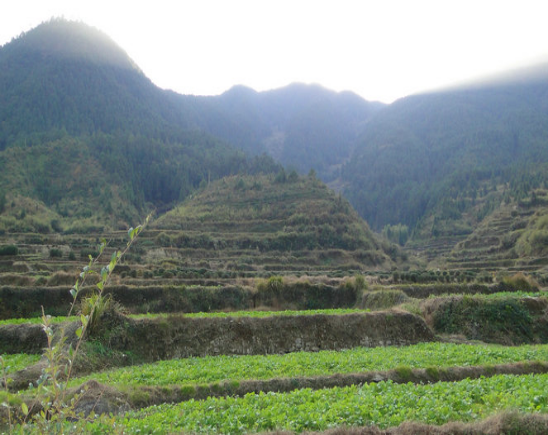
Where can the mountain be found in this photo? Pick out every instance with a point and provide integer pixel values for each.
(81, 120)
(87, 140)
(86, 134)
(302, 126)
(440, 162)
(66, 75)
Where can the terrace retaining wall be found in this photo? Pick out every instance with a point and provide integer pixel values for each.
(177, 337)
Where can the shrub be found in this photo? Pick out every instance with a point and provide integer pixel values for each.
(521, 282)
(382, 299)
(271, 287)
(61, 278)
(85, 253)
(9, 250)
(163, 239)
(506, 321)
(56, 226)
(55, 253)
(360, 284)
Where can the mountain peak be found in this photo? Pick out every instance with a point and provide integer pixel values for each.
(73, 39)
(239, 91)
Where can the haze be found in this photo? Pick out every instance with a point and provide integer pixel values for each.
(382, 50)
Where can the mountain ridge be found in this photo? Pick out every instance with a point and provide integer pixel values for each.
(433, 164)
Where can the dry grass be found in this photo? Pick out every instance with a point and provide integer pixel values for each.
(16, 279)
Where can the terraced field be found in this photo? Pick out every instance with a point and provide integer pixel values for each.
(222, 345)
(205, 370)
(383, 404)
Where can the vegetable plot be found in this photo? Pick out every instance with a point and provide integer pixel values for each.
(259, 367)
(383, 404)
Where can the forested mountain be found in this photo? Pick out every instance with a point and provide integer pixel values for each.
(70, 94)
(66, 75)
(440, 162)
(87, 134)
(302, 126)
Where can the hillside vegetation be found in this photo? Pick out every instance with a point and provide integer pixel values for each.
(513, 237)
(433, 156)
(302, 126)
(251, 218)
(86, 135)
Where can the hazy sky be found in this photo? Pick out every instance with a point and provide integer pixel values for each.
(382, 50)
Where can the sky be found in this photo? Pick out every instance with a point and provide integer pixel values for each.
(382, 50)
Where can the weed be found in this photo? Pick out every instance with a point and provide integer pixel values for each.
(433, 373)
(55, 405)
(404, 372)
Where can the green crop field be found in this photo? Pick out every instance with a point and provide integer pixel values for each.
(259, 367)
(335, 311)
(383, 404)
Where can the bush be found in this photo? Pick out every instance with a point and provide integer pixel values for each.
(359, 283)
(55, 253)
(504, 321)
(85, 253)
(61, 278)
(521, 282)
(270, 288)
(9, 250)
(163, 239)
(56, 226)
(276, 292)
(383, 299)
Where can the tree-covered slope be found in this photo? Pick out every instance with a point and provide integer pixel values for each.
(81, 120)
(432, 156)
(66, 75)
(85, 133)
(303, 126)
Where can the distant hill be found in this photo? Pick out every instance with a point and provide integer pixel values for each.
(428, 161)
(260, 219)
(303, 126)
(87, 140)
(69, 76)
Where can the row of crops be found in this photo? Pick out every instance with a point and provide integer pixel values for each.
(220, 314)
(300, 364)
(383, 404)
